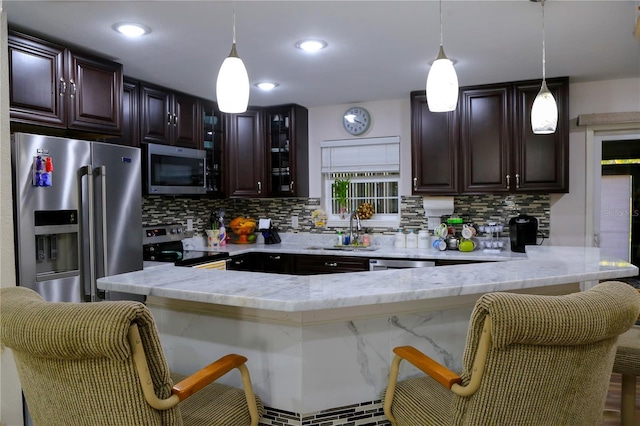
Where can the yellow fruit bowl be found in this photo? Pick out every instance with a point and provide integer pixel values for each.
(242, 230)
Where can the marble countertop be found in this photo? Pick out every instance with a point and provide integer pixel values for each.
(541, 266)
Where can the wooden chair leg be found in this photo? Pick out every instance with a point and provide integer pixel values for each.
(628, 400)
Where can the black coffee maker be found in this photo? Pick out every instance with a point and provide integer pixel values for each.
(523, 230)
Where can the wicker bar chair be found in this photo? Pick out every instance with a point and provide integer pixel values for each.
(627, 363)
(529, 360)
(102, 364)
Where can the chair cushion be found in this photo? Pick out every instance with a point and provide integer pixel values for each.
(413, 395)
(628, 353)
(217, 404)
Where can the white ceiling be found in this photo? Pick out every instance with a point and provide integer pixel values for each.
(377, 49)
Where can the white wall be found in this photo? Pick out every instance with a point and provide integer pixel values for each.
(389, 118)
(11, 402)
(568, 211)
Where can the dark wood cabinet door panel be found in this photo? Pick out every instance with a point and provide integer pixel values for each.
(245, 153)
(95, 95)
(313, 265)
(185, 121)
(277, 263)
(541, 161)
(36, 75)
(485, 139)
(156, 116)
(130, 115)
(434, 149)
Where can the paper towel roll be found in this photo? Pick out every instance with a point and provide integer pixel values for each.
(437, 206)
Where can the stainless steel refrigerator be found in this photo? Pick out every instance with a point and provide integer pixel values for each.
(78, 215)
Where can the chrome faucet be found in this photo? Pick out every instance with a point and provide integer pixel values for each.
(353, 238)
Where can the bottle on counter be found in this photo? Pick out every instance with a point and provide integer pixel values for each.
(412, 239)
(366, 240)
(339, 238)
(423, 239)
(223, 233)
(400, 240)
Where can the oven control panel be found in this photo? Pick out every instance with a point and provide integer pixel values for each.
(162, 233)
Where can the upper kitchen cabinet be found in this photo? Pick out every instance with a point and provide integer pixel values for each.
(541, 161)
(168, 117)
(212, 142)
(130, 114)
(59, 88)
(434, 148)
(485, 138)
(244, 148)
(287, 156)
(499, 151)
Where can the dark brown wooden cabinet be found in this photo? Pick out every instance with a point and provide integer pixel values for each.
(52, 86)
(485, 138)
(323, 264)
(245, 262)
(434, 148)
(212, 140)
(287, 151)
(541, 161)
(278, 263)
(245, 154)
(130, 114)
(169, 118)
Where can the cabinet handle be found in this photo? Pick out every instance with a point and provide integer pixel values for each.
(238, 262)
(331, 264)
(73, 88)
(508, 181)
(274, 257)
(415, 183)
(259, 187)
(291, 186)
(517, 181)
(175, 120)
(169, 118)
(63, 87)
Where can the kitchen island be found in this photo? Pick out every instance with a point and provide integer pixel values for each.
(316, 344)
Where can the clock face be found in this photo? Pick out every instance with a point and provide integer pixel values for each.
(356, 120)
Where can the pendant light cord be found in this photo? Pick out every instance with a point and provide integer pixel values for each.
(234, 22)
(441, 23)
(543, 46)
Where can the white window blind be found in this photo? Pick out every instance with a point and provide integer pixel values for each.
(361, 155)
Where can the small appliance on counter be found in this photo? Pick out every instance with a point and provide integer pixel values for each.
(269, 232)
(523, 231)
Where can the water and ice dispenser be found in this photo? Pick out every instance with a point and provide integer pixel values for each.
(56, 243)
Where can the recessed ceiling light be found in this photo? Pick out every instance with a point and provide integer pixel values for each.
(311, 45)
(266, 85)
(131, 30)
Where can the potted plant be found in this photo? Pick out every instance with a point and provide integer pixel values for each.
(340, 193)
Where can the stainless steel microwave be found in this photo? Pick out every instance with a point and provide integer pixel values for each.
(172, 170)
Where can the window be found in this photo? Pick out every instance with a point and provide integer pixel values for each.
(378, 189)
(373, 168)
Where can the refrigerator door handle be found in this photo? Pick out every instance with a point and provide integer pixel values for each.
(103, 205)
(88, 171)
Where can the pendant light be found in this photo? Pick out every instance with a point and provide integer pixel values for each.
(442, 81)
(232, 86)
(544, 112)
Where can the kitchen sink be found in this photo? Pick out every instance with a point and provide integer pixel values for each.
(344, 248)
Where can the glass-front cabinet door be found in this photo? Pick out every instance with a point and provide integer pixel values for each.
(279, 149)
(287, 150)
(212, 142)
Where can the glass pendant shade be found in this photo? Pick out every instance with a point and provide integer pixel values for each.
(442, 85)
(232, 86)
(544, 112)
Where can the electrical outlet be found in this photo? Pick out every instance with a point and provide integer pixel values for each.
(294, 221)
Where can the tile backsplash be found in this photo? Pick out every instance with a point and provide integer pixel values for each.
(478, 209)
